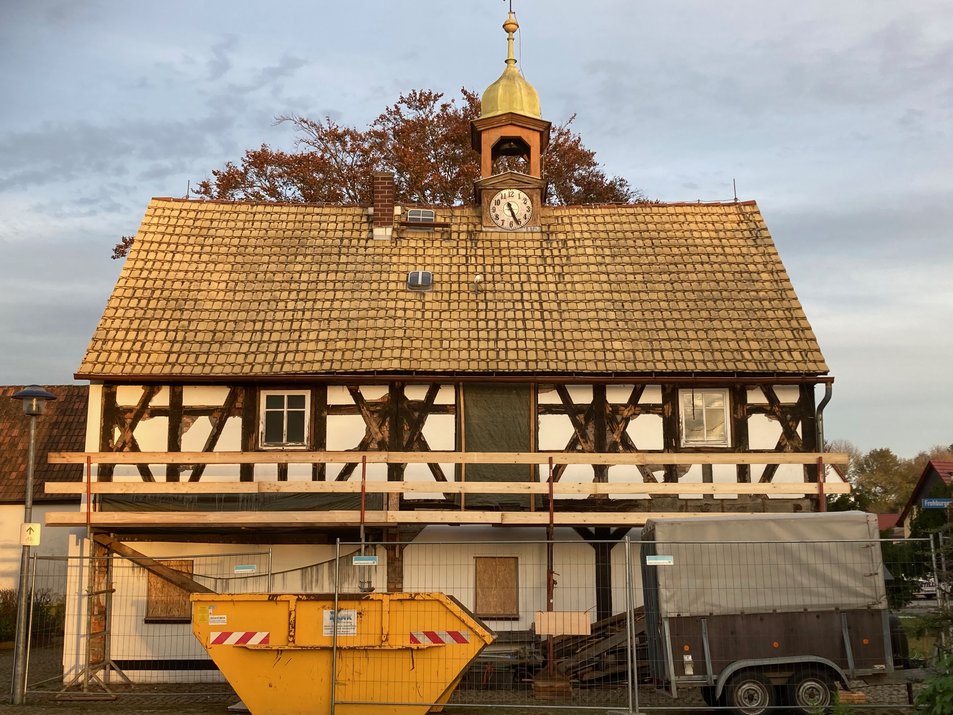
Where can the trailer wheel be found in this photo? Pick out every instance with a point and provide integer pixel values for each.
(810, 691)
(749, 692)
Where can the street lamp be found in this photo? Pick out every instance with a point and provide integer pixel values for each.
(34, 399)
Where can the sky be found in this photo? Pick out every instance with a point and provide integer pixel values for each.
(836, 117)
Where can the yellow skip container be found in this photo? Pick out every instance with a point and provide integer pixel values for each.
(387, 653)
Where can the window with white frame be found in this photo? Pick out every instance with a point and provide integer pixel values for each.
(704, 418)
(284, 418)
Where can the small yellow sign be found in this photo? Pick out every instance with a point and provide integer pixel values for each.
(30, 534)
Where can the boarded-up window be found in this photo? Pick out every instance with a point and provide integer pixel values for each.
(497, 418)
(497, 587)
(166, 602)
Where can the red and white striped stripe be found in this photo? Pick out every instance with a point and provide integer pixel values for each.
(239, 637)
(439, 637)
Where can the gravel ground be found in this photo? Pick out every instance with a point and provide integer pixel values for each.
(214, 699)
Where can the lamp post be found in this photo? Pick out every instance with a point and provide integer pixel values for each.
(34, 399)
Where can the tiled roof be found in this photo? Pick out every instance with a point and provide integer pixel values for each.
(62, 428)
(234, 289)
(887, 521)
(944, 470)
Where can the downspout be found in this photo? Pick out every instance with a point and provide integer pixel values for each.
(819, 415)
(819, 428)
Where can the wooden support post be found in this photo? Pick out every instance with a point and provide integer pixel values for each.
(669, 428)
(249, 421)
(395, 567)
(107, 421)
(739, 428)
(319, 429)
(175, 430)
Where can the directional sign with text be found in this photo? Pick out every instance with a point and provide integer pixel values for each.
(936, 502)
(30, 534)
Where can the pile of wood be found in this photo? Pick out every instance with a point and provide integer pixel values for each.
(602, 656)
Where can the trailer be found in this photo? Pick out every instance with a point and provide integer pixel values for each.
(772, 610)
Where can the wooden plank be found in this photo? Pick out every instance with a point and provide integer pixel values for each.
(291, 519)
(559, 488)
(375, 457)
(177, 578)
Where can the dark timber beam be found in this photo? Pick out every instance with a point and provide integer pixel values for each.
(602, 539)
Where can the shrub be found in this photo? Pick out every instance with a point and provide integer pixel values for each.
(937, 697)
(8, 614)
(49, 615)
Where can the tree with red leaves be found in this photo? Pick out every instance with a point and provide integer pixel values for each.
(423, 139)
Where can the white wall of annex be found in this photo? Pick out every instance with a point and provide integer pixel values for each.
(54, 542)
(225, 568)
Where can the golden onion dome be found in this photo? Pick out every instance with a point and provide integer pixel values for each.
(511, 92)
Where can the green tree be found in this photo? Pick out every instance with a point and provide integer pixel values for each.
(857, 499)
(884, 480)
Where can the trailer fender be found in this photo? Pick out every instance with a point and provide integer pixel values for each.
(767, 663)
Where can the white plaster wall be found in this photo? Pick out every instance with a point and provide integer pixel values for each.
(645, 431)
(152, 434)
(54, 541)
(293, 568)
(93, 419)
(442, 559)
(764, 432)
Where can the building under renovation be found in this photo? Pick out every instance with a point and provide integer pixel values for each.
(281, 377)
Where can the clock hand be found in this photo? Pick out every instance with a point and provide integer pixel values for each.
(512, 211)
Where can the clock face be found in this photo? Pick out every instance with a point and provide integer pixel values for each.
(510, 209)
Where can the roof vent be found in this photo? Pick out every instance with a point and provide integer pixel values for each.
(420, 280)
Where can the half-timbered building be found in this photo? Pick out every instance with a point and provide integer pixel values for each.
(289, 375)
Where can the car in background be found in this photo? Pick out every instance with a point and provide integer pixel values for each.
(926, 589)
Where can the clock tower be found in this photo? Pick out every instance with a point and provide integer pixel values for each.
(510, 126)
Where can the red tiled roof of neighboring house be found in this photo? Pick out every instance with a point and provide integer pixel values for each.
(944, 470)
(223, 290)
(887, 521)
(62, 428)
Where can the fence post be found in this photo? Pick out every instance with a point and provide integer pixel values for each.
(271, 571)
(936, 580)
(942, 600)
(632, 672)
(334, 623)
(29, 627)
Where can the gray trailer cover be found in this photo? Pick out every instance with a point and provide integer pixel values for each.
(765, 563)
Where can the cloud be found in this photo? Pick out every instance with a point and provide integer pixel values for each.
(268, 76)
(220, 61)
(55, 291)
(59, 152)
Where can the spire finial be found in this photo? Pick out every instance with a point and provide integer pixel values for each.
(511, 92)
(511, 26)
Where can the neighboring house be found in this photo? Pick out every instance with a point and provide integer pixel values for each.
(61, 429)
(934, 483)
(890, 523)
(653, 348)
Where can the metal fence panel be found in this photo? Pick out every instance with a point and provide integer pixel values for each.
(574, 627)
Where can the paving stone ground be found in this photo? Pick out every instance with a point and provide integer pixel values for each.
(214, 699)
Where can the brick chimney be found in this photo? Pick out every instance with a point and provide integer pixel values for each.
(382, 192)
